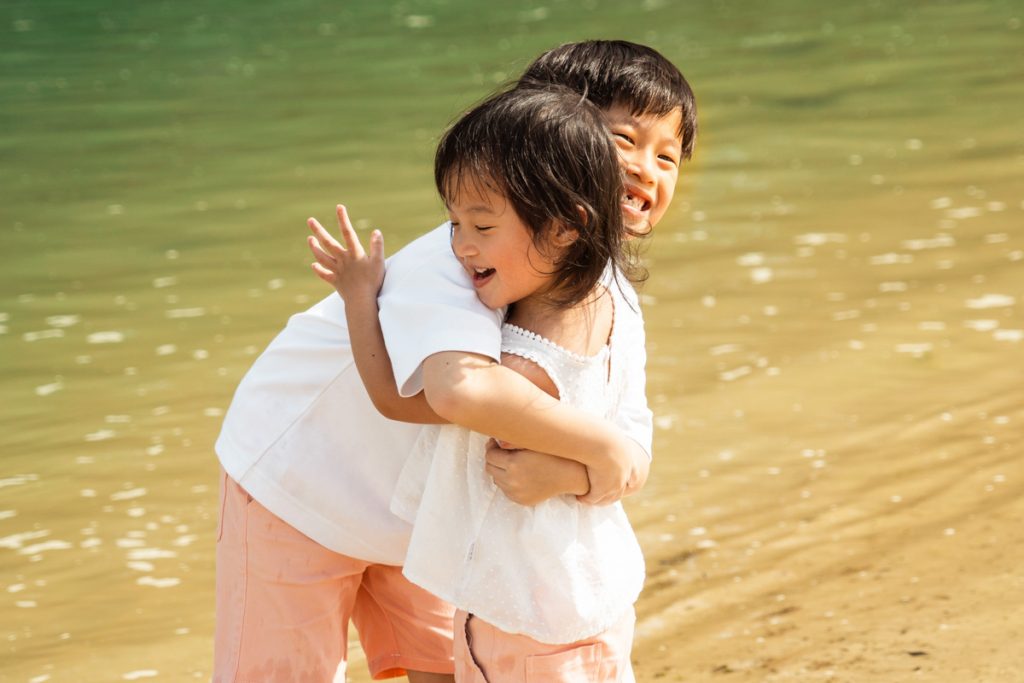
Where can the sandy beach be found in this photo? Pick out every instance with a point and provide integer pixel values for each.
(890, 553)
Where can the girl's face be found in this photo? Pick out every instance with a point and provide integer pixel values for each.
(496, 248)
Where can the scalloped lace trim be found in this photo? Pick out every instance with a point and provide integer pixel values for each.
(579, 358)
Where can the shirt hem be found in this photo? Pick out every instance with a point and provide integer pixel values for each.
(310, 523)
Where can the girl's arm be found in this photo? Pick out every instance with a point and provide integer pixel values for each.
(475, 392)
(357, 276)
(527, 477)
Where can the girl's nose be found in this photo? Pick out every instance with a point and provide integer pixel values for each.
(461, 246)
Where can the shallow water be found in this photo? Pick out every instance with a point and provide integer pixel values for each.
(834, 316)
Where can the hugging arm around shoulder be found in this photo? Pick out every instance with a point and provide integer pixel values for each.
(444, 342)
(479, 394)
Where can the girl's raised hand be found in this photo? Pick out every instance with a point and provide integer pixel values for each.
(349, 269)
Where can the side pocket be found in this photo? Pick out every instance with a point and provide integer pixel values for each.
(581, 663)
(223, 502)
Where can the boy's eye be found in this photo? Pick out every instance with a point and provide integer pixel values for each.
(484, 228)
(623, 136)
(669, 159)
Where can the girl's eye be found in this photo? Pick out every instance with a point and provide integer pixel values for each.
(484, 228)
(669, 159)
(623, 136)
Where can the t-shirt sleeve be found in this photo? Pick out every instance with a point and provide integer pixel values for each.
(427, 306)
(634, 417)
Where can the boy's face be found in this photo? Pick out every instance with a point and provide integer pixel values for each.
(650, 151)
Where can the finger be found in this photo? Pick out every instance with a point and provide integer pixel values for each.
(325, 259)
(324, 238)
(327, 276)
(376, 246)
(348, 233)
(608, 499)
(497, 457)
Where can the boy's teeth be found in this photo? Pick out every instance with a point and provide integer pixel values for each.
(635, 202)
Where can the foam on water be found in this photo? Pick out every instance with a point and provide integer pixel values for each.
(105, 337)
(991, 301)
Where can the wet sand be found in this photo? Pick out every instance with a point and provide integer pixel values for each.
(889, 551)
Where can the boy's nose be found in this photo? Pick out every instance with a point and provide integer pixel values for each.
(640, 167)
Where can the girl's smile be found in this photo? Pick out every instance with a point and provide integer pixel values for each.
(496, 247)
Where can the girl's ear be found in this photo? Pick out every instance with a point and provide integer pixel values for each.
(563, 236)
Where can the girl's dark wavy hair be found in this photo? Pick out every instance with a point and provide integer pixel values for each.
(547, 150)
(618, 72)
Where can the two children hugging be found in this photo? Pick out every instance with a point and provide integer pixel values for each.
(535, 192)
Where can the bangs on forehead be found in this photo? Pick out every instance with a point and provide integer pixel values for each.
(646, 97)
(473, 174)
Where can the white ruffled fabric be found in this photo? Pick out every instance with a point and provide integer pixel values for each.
(558, 572)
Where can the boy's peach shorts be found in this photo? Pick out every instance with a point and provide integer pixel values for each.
(485, 654)
(284, 604)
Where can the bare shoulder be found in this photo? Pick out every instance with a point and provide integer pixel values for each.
(531, 371)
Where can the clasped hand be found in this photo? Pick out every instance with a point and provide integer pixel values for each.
(529, 478)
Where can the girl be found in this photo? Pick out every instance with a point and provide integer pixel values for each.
(533, 186)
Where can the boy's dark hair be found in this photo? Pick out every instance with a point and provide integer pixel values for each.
(617, 72)
(548, 152)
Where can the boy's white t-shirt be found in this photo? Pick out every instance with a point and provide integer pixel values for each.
(302, 436)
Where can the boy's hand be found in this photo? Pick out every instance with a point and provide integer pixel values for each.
(349, 269)
(609, 480)
(529, 478)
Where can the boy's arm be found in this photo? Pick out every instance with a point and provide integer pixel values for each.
(528, 477)
(357, 276)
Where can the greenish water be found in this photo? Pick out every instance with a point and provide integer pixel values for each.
(850, 227)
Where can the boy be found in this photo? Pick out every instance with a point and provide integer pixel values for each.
(306, 539)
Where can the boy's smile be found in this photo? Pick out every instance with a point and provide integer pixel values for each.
(650, 149)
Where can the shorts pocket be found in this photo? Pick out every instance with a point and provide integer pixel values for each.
(223, 503)
(581, 664)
